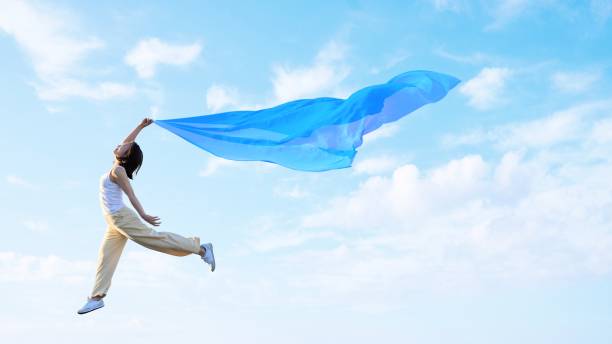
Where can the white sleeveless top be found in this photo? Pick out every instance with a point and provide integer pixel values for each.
(111, 195)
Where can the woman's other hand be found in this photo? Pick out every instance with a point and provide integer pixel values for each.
(153, 220)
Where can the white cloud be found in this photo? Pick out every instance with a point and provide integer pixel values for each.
(18, 181)
(151, 52)
(154, 111)
(506, 10)
(54, 109)
(44, 34)
(448, 5)
(470, 138)
(15, 267)
(321, 78)
(601, 132)
(36, 225)
(294, 192)
(65, 88)
(601, 9)
(24, 276)
(463, 221)
(387, 130)
(286, 239)
(574, 82)
(511, 8)
(375, 165)
(227, 98)
(475, 58)
(219, 97)
(485, 90)
(70, 184)
(391, 61)
(138, 268)
(147, 268)
(560, 127)
(214, 164)
(54, 43)
(541, 213)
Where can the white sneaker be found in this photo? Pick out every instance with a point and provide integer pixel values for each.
(91, 305)
(209, 256)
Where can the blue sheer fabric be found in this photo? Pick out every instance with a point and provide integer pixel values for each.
(311, 134)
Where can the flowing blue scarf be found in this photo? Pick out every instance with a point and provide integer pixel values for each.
(311, 134)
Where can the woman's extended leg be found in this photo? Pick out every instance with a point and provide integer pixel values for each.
(128, 223)
(108, 257)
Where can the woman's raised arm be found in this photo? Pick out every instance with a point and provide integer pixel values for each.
(132, 136)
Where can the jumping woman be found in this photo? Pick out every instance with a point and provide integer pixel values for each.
(123, 222)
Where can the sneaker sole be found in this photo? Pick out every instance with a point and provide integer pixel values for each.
(212, 253)
(91, 310)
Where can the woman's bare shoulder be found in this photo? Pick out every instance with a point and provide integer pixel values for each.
(116, 170)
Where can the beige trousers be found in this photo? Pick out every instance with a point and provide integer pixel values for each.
(125, 224)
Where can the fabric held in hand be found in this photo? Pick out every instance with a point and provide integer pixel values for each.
(311, 134)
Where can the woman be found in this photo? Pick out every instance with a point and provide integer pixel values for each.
(123, 222)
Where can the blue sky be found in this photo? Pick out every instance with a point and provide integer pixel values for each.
(483, 218)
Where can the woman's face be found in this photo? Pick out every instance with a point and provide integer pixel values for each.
(122, 150)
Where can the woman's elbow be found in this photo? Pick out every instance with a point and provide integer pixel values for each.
(132, 197)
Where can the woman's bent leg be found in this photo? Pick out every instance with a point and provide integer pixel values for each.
(129, 224)
(108, 257)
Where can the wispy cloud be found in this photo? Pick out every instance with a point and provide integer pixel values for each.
(387, 130)
(377, 165)
(18, 181)
(141, 268)
(601, 9)
(319, 79)
(390, 62)
(475, 58)
(47, 35)
(38, 226)
(64, 88)
(214, 164)
(322, 78)
(506, 10)
(228, 98)
(19, 267)
(574, 82)
(560, 127)
(286, 239)
(219, 97)
(448, 5)
(486, 89)
(601, 132)
(293, 192)
(56, 47)
(151, 52)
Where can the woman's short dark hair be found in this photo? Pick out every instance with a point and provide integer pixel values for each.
(132, 161)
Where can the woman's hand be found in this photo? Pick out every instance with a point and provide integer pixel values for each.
(145, 122)
(153, 220)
